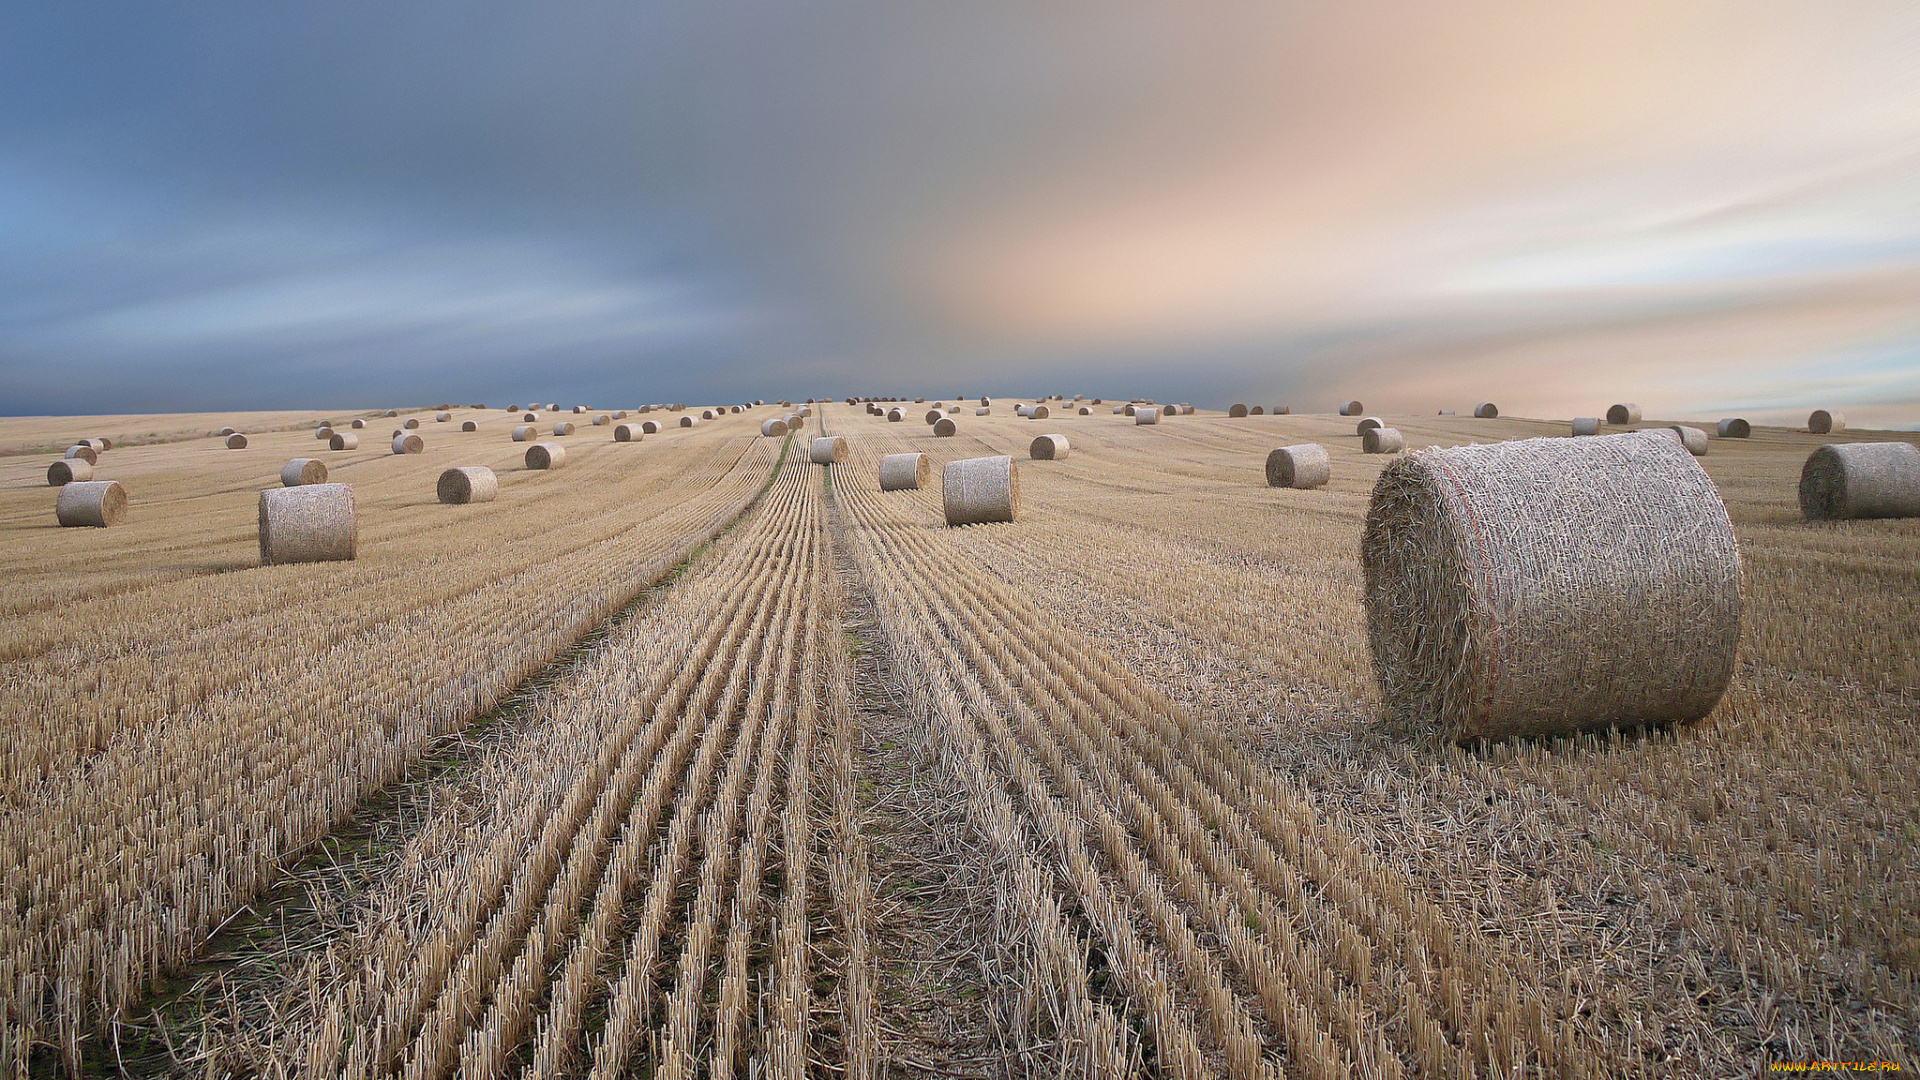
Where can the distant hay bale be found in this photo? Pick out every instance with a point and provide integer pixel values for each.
(1282, 410)
(1119, 410)
(412, 422)
(1382, 440)
(1548, 586)
(310, 523)
(1236, 410)
(905, 472)
(83, 452)
(773, 427)
(468, 425)
(467, 484)
(579, 410)
(627, 433)
(827, 450)
(602, 420)
(1486, 410)
(441, 418)
(933, 416)
(344, 440)
(1049, 448)
(391, 413)
(1692, 438)
(1022, 410)
(1623, 414)
(68, 471)
(1085, 411)
(686, 421)
(1145, 415)
(525, 433)
(1734, 427)
(476, 406)
(101, 504)
(1367, 425)
(513, 408)
(1826, 421)
(795, 421)
(1185, 409)
(975, 491)
(1861, 480)
(1038, 412)
(1256, 411)
(323, 433)
(1303, 466)
(945, 427)
(1351, 408)
(620, 414)
(236, 441)
(223, 432)
(1129, 409)
(405, 443)
(303, 470)
(733, 408)
(1446, 412)
(564, 427)
(986, 402)
(545, 455)
(1586, 425)
(983, 411)
(529, 418)
(953, 410)
(650, 427)
(359, 423)
(894, 416)
(706, 414)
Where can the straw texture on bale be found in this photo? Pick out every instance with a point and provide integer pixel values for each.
(564, 427)
(303, 470)
(83, 452)
(236, 441)
(1367, 425)
(467, 484)
(1303, 466)
(1586, 425)
(1351, 408)
(979, 490)
(1486, 410)
(905, 472)
(98, 503)
(311, 523)
(650, 427)
(1548, 586)
(773, 426)
(1382, 440)
(626, 433)
(1734, 427)
(1049, 448)
(1146, 415)
(1236, 410)
(1038, 412)
(68, 471)
(1692, 438)
(1623, 414)
(827, 450)
(1085, 411)
(525, 433)
(895, 416)
(1826, 421)
(546, 455)
(1861, 480)
(945, 427)
(412, 422)
(97, 444)
(442, 418)
(407, 443)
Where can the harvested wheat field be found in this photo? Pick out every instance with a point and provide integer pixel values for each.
(697, 758)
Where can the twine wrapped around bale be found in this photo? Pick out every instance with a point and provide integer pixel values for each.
(1826, 421)
(827, 450)
(1351, 408)
(1367, 425)
(945, 427)
(564, 427)
(1548, 586)
(905, 472)
(1146, 415)
(407, 443)
(1623, 414)
(236, 441)
(467, 484)
(649, 427)
(69, 470)
(100, 504)
(311, 523)
(546, 455)
(83, 452)
(1586, 425)
(627, 433)
(979, 490)
(773, 427)
(1382, 440)
(1486, 410)
(344, 440)
(301, 471)
(1303, 466)
(1861, 480)
(1049, 448)
(1733, 427)
(412, 422)
(1692, 438)
(1236, 410)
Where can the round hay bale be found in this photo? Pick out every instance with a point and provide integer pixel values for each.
(1049, 448)
(1256, 411)
(236, 441)
(1486, 410)
(706, 414)
(529, 418)
(525, 433)
(1548, 586)
(564, 427)
(98, 503)
(945, 427)
(309, 523)
(303, 470)
(1826, 421)
(1085, 411)
(1144, 415)
(602, 420)
(223, 433)
(1351, 408)
(323, 433)
(83, 452)
(1022, 410)
(546, 455)
(905, 472)
(69, 470)
(441, 418)
(773, 427)
(1038, 412)
(894, 416)
(344, 440)
(1861, 480)
(1236, 410)
(391, 413)
(1382, 440)
(467, 484)
(405, 443)
(1623, 414)
(1119, 410)
(1734, 427)
(1367, 425)
(979, 490)
(468, 425)
(627, 433)
(650, 427)
(686, 421)
(986, 402)
(357, 424)
(933, 416)
(412, 422)
(513, 408)
(827, 450)
(579, 410)
(1692, 438)
(1303, 466)
(620, 414)
(1282, 410)
(983, 411)
(1586, 425)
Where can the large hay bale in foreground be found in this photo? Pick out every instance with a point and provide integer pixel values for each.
(408, 443)
(546, 455)
(827, 450)
(773, 427)
(1368, 424)
(1861, 480)
(1628, 413)
(1236, 410)
(979, 490)
(627, 433)
(1146, 415)
(1351, 408)
(1486, 410)
(236, 441)
(1550, 586)
(945, 427)
(1382, 440)
(311, 523)
(82, 452)
(98, 503)
(301, 471)
(1049, 448)
(905, 472)
(68, 471)
(1586, 425)
(344, 440)
(1826, 421)
(1733, 427)
(467, 484)
(1303, 466)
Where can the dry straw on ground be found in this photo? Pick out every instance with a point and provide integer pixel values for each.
(68, 471)
(1861, 480)
(467, 484)
(1049, 448)
(1734, 427)
(83, 452)
(99, 503)
(236, 441)
(1486, 410)
(1303, 466)
(310, 523)
(1826, 421)
(1586, 425)
(827, 450)
(1628, 413)
(303, 470)
(1351, 408)
(545, 455)
(905, 472)
(1382, 440)
(979, 490)
(945, 427)
(408, 443)
(1549, 586)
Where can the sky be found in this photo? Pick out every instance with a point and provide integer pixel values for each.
(1708, 209)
